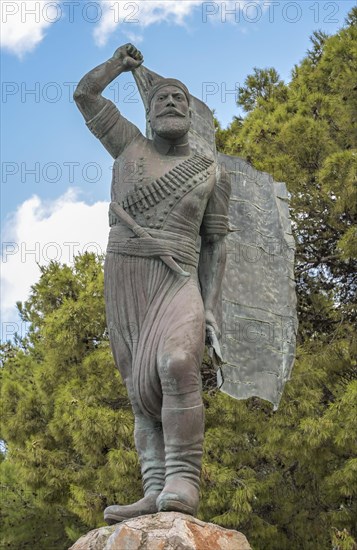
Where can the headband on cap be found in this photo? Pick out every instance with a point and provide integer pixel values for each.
(168, 82)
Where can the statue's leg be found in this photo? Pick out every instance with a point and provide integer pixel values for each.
(149, 444)
(123, 322)
(183, 426)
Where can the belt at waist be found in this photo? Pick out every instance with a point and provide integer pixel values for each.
(162, 243)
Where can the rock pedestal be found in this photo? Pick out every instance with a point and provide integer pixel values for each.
(162, 531)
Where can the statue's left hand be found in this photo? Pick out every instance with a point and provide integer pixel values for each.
(211, 322)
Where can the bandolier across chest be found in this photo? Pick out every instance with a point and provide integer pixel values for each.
(166, 190)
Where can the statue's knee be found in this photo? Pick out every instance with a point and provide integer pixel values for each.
(174, 366)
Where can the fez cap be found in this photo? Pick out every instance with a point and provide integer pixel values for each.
(168, 82)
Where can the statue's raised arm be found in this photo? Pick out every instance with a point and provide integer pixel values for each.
(101, 115)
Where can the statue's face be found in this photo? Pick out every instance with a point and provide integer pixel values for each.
(170, 113)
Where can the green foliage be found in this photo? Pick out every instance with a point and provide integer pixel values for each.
(318, 40)
(287, 479)
(262, 85)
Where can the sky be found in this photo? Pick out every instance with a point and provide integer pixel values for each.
(55, 175)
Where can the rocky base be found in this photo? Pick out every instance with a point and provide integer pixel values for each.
(162, 531)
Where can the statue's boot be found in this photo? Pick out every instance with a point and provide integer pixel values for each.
(183, 434)
(149, 443)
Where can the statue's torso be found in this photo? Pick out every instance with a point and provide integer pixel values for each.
(176, 203)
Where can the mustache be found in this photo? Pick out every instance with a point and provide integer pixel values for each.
(170, 111)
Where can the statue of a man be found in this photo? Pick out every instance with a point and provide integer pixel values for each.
(160, 290)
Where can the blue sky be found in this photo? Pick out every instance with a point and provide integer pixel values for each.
(198, 42)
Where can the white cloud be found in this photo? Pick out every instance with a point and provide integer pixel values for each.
(142, 13)
(134, 38)
(40, 231)
(23, 23)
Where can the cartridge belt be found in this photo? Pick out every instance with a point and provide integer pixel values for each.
(176, 181)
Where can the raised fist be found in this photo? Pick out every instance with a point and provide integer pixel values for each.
(129, 57)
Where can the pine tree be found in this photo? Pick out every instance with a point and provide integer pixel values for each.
(262, 85)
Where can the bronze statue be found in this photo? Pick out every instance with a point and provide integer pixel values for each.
(156, 314)
(164, 267)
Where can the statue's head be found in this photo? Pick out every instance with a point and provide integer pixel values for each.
(169, 109)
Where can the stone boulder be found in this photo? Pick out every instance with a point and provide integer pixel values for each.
(162, 531)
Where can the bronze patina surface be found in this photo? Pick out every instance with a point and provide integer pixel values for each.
(166, 290)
